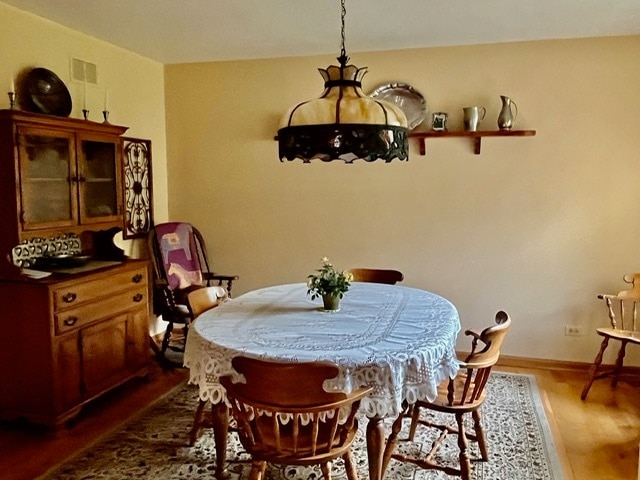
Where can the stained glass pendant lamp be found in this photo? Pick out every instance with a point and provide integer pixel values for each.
(344, 123)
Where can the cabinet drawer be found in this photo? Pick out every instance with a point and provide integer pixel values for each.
(77, 317)
(70, 296)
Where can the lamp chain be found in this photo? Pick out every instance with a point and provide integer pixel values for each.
(343, 59)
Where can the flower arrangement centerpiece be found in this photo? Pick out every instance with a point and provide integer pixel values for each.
(329, 284)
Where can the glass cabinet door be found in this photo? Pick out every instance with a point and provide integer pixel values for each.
(99, 180)
(47, 173)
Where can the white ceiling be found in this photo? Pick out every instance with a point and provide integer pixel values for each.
(180, 31)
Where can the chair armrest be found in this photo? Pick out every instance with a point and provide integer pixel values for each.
(604, 296)
(473, 334)
(216, 276)
(474, 343)
(624, 295)
(211, 278)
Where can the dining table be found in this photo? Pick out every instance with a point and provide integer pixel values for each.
(397, 339)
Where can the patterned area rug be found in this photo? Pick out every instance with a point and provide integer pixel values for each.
(154, 445)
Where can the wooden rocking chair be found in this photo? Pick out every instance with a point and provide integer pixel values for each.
(174, 246)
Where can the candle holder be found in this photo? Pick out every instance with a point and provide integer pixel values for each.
(12, 100)
(105, 114)
(85, 113)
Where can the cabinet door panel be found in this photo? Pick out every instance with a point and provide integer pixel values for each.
(67, 367)
(48, 174)
(99, 167)
(138, 338)
(104, 354)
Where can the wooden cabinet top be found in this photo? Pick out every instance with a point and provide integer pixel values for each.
(74, 124)
(59, 279)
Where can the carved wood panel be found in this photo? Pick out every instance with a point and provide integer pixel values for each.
(138, 187)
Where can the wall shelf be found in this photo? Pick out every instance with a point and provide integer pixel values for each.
(475, 136)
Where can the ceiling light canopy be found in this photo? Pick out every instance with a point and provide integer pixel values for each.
(344, 123)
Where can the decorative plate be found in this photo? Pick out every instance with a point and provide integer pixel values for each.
(410, 101)
(48, 94)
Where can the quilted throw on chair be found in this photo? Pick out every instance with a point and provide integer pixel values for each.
(179, 255)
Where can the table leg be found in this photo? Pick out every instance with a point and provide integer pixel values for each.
(375, 444)
(197, 423)
(220, 417)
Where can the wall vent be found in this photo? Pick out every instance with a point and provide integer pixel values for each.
(84, 71)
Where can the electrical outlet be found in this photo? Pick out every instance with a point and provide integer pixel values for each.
(574, 330)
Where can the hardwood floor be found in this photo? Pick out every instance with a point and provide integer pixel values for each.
(27, 451)
(597, 439)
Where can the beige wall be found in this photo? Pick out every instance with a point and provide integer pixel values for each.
(135, 83)
(536, 226)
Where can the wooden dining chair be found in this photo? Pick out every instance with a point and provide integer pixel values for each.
(284, 415)
(623, 327)
(376, 275)
(458, 396)
(200, 301)
(206, 298)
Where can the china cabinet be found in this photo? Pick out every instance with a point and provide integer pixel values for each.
(78, 332)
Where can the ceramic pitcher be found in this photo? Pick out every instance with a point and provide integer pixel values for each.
(506, 116)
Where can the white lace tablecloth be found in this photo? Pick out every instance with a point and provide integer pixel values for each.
(399, 340)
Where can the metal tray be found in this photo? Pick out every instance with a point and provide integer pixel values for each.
(410, 101)
(62, 260)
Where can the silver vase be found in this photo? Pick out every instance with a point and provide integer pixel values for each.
(506, 116)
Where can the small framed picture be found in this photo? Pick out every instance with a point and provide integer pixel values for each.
(439, 123)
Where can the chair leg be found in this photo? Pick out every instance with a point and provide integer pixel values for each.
(257, 470)
(392, 441)
(618, 367)
(482, 443)
(197, 423)
(415, 416)
(350, 466)
(465, 463)
(326, 470)
(594, 368)
(159, 354)
(167, 337)
(186, 332)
